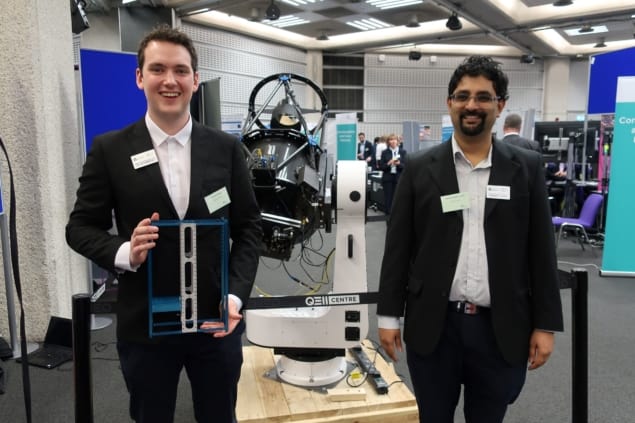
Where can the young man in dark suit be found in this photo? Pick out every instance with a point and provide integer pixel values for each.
(365, 148)
(470, 258)
(167, 166)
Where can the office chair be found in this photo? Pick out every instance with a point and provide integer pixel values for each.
(582, 223)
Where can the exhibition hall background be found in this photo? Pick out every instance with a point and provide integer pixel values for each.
(40, 120)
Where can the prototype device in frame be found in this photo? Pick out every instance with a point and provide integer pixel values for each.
(181, 307)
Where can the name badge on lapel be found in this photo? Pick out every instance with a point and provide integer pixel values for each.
(455, 202)
(144, 159)
(498, 192)
(216, 200)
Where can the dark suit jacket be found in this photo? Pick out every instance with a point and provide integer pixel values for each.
(368, 150)
(386, 156)
(109, 182)
(422, 250)
(519, 141)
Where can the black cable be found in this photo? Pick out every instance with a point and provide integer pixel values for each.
(296, 280)
(26, 380)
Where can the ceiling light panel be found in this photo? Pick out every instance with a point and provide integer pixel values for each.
(286, 21)
(368, 24)
(301, 2)
(573, 32)
(391, 4)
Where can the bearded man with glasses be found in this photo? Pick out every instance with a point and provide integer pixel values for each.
(470, 261)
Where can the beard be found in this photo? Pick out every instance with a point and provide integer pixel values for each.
(471, 130)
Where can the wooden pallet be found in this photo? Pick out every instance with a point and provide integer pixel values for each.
(262, 399)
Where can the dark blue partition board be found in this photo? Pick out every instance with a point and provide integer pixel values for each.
(603, 72)
(111, 98)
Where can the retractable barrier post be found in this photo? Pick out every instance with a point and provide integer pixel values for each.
(580, 345)
(578, 281)
(81, 359)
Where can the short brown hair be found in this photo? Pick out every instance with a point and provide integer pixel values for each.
(164, 32)
(513, 120)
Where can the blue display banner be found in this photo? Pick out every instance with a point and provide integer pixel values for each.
(111, 98)
(620, 230)
(346, 141)
(604, 70)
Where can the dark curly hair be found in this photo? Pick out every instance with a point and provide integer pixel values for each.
(165, 32)
(481, 66)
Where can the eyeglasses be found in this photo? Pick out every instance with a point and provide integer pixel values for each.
(480, 98)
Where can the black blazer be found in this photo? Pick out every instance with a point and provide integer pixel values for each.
(109, 182)
(519, 141)
(369, 150)
(386, 156)
(422, 249)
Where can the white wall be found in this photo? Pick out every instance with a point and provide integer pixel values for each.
(103, 33)
(38, 124)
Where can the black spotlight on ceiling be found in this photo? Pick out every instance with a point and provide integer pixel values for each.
(600, 43)
(414, 55)
(322, 37)
(527, 58)
(585, 29)
(453, 23)
(79, 21)
(563, 3)
(273, 12)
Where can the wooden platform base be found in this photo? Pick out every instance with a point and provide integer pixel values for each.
(262, 399)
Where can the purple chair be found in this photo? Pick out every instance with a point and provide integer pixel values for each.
(584, 222)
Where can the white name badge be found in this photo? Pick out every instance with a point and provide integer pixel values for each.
(454, 202)
(498, 192)
(217, 199)
(144, 159)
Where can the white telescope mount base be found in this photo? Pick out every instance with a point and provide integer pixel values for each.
(311, 373)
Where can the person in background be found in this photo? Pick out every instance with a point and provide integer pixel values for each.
(364, 148)
(166, 166)
(392, 163)
(426, 134)
(511, 129)
(470, 259)
(555, 175)
(380, 146)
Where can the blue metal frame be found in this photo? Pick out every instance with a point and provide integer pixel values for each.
(172, 304)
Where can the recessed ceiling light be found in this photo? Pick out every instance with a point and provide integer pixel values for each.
(368, 24)
(391, 4)
(286, 21)
(300, 2)
(585, 30)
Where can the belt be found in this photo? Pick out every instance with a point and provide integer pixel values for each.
(466, 307)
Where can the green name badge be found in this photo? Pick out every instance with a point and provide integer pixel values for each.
(454, 202)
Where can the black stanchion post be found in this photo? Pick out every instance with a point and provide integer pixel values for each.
(580, 344)
(81, 359)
